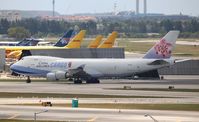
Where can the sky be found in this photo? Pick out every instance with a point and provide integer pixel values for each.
(168, 7)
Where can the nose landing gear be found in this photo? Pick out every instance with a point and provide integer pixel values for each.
(28, 80)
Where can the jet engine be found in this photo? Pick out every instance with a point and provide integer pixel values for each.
(56, 75)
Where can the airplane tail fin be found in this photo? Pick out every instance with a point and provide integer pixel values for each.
(110, 41)
(28, 42)
(163, 48)
(64, 40)
(14, 54)
(77, 40)
(95, 43)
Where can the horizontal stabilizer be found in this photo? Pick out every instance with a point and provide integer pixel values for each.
(158, 62)
(181, 60)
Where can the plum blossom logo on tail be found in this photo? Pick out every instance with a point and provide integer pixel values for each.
(163, 48)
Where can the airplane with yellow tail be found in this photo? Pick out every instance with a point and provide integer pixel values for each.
(75, 42)
(109, 42)
(95, 43)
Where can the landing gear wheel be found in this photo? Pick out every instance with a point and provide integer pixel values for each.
(97, 81)
(70, 79)
(93, 80)
(77, 81)
(28, 80)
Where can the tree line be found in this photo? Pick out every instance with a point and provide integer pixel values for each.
(127, 28)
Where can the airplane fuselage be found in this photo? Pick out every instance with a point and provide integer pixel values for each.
(99, 68)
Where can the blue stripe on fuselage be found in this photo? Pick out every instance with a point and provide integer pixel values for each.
(29, 71)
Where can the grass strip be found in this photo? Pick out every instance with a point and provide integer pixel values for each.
(183, 107)
(158, 89)
(56, 95)
(177, 107)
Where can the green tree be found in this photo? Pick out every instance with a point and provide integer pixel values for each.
(18, 32)
(194, 25)
(178, 25)
(4, 25)
(167, 25)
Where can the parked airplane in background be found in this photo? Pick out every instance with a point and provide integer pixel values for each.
(28, 42)
(24, 42)
(95, 43)
(15, 54)
(73, 43)
(109, 42)
(90, 70)
(65, 39)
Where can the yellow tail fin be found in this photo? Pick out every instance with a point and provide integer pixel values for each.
(95, 43)
(77, 40)
(14, 54)
(110, 41)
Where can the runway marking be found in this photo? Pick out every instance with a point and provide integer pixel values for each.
(92, 119)
(14, 116)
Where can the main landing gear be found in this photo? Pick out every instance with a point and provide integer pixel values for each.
(77, 81)
(92, 80)
(89, 81)
(28, 80)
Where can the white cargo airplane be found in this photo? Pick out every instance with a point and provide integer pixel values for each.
(90, 70)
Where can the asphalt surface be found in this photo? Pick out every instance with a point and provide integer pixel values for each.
(97, 115)
(105, 87)
(8, 111)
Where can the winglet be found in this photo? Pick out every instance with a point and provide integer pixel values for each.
(95, 43)
(76, 41)
(163, 48)
(64, 40)
(110, 41)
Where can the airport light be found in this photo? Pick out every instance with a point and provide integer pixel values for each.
(148, 115)
(35, 114)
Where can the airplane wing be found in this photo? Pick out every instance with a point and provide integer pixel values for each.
(12, 48)
(78, 73)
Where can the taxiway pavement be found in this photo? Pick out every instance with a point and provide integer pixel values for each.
(97, 115)
(8, 111)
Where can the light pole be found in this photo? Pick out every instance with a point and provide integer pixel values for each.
(148, 115)
(35, 114)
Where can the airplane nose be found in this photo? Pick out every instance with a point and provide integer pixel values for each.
(12, 67)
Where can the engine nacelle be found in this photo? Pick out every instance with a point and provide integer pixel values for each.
(56, 75)
(51, 76)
